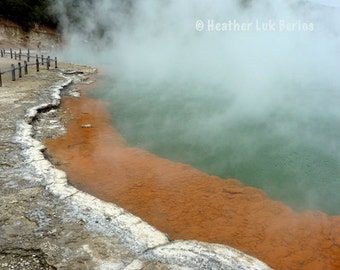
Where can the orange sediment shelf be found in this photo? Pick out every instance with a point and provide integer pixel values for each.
(184, 202)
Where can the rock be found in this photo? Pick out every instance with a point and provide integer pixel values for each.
(86, 126)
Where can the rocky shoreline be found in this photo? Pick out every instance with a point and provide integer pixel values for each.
(47, 224)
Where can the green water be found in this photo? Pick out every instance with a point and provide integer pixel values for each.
(288, 147)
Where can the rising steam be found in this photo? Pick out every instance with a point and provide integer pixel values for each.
(259, 103)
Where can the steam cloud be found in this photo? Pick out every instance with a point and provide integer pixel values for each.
(260, 104)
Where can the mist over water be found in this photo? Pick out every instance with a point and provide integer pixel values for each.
(187, 83)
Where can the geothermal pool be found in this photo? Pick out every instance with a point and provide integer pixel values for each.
(284, 141)
(259, 105)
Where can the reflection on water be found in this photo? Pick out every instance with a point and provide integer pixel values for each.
(287, 145)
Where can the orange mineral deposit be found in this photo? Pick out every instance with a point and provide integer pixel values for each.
(187, 203)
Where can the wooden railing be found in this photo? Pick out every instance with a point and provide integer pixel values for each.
(19, 56)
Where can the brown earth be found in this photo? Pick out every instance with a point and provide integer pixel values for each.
(39, 38)
(185, 202)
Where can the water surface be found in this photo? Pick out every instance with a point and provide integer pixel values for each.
(289, 148)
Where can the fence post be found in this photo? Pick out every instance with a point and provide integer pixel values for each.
(28, 55)
(48, 63)
(55, 62)
(42, 59)
(25, 67)
(20, 71)
(37, 63)
(11, 52)
(20, 54)
(15, 55)
(13, 72)
(0, 78)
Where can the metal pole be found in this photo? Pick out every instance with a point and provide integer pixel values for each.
(13, 72)
(25, 67)
(20, 72)
(37, 63)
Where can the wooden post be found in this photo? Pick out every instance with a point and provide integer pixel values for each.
(11, 52)
(37, 63)
(55, 62)
(13, 72)
(19, 54)
(28, 55)
(48, 63)
(42, 59)
(20, 71)
(25, 67)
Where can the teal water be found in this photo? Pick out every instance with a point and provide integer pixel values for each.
(288, 145)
